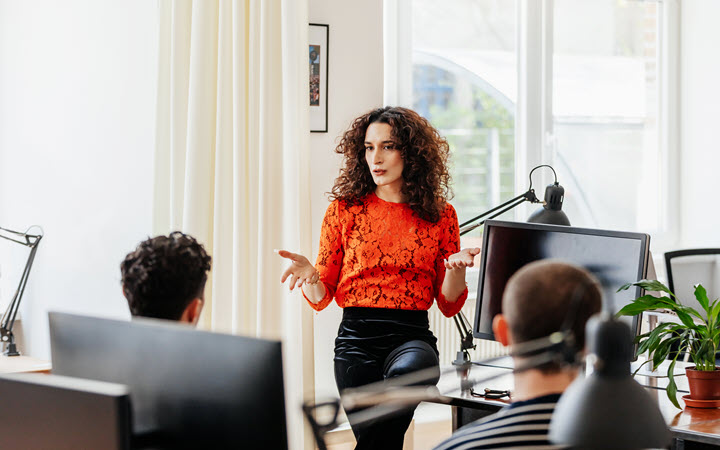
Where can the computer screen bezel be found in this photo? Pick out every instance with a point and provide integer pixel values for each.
(53, 411)
(642, 262)
(180, 378)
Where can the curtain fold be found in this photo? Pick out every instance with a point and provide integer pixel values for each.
(232, 165)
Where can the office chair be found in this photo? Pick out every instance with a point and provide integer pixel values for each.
(686, 268)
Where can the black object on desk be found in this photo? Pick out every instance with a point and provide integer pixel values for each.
(189, 388)
(42, 411)
(614, 257)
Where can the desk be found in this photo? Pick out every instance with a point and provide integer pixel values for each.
(13, 364)
(691, 428)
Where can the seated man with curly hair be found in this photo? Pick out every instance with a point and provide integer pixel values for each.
(164, 278)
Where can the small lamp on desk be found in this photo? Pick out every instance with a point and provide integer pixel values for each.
(551, 213)
(8, 319)
(608, 408)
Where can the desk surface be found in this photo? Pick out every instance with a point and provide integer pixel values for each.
(13, 364)
(693, 424)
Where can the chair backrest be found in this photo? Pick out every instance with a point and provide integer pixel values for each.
(686, 268)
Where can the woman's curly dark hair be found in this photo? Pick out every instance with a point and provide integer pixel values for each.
(163, 274)
(425, 157)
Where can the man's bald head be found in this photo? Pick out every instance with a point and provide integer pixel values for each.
(537, 299)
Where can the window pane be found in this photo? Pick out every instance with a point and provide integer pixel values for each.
(605, 112)
(465, 83)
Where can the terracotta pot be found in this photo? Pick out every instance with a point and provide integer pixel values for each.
(704, 384)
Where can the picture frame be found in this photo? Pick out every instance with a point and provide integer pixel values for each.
(318, 40)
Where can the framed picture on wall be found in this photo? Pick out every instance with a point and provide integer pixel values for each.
(318, 58)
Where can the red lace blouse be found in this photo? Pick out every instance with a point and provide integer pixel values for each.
(379, 254)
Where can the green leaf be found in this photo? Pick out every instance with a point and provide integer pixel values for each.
(637, 307)
(654, 337)
(672, 387)
(702, 298)
(685, 318)
(691, 311)
(649, 298)
(715, 311)
(702, 352)
(677, 327)
(661, 353)
(706, 355)
(648, 285)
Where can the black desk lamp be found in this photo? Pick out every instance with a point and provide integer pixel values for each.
(608, 408)
(550, 213)
(8, 319)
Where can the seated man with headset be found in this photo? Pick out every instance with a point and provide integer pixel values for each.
(535, 303)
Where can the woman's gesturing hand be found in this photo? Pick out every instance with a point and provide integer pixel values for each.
(300, 270)
(462, 259)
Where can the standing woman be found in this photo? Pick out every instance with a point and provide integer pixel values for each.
(389, 247)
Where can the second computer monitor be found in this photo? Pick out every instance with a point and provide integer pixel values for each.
(189, 388)
(41, 411)
(614, 257)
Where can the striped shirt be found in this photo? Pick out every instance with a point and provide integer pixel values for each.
(520, 425)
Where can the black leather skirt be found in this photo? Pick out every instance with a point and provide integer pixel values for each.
(374, 344)
(375, 332)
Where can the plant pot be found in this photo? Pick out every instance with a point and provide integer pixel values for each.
(704, 384)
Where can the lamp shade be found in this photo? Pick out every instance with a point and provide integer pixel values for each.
(608, 408)
(551, 212)
(544, 215)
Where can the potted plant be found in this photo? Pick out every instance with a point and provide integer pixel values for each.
(696, 334)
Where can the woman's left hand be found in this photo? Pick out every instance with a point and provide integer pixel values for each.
(462, 259)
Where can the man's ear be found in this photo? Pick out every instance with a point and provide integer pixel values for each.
(192, 311)
(501, 330)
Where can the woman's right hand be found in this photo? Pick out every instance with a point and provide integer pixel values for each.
(300, 270)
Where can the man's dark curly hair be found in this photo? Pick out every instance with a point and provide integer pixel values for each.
(164, 274)
(425, 157)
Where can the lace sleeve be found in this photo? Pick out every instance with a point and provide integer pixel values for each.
(449, 244)
(330, 255)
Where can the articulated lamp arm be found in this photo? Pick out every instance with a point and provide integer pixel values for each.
(8, 318)
(554, 216)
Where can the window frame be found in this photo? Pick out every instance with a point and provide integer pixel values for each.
(534, 134)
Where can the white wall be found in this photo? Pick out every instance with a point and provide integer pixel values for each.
(355, 86)
(77, 114)
(699, 113)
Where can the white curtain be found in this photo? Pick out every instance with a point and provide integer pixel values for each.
(232, 165)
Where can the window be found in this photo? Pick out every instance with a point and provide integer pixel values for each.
(583, 85)
(605, 112)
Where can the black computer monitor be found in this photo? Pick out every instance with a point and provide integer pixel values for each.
(54, 412)
(614, 257)
(189, 388)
